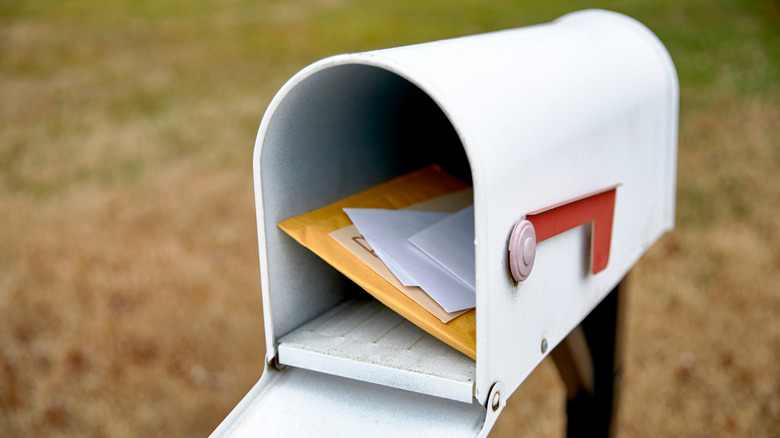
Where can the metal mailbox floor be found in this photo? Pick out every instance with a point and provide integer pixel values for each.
(364, 340)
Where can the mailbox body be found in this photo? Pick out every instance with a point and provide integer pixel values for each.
(530, 117)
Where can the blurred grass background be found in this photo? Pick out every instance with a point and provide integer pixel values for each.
(129, 287)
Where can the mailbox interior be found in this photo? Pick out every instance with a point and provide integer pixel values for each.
(330, 134)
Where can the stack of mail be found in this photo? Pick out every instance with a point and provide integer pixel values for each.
(414, 250)
(432, 250)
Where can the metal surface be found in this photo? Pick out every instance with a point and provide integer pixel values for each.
(364, 340)
(301, 403)
(529, 116)
(498, 397)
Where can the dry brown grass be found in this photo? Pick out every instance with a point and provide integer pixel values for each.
(129, 286)
(703, 327)
(123, 313)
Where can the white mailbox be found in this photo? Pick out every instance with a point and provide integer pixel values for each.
(578, 116)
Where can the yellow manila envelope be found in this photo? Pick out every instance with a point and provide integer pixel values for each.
(419, 190)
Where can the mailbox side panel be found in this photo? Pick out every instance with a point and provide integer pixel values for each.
(599, 109)
(548, 113)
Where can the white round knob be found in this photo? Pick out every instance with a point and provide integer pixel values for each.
(522, 250)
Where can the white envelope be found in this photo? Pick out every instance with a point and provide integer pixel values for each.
(388, 231)
(450, 242)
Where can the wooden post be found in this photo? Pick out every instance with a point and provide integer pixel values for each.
(588, 361)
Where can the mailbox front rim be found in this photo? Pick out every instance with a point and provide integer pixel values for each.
(368, 59)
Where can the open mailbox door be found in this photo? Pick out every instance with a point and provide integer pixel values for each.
(559, 126)
(301, 403)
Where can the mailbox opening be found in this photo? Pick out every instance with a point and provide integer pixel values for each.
(337, 132)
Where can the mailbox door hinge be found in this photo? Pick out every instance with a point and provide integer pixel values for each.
(495, 404)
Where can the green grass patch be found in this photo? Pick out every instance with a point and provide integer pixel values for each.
(123, 63)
